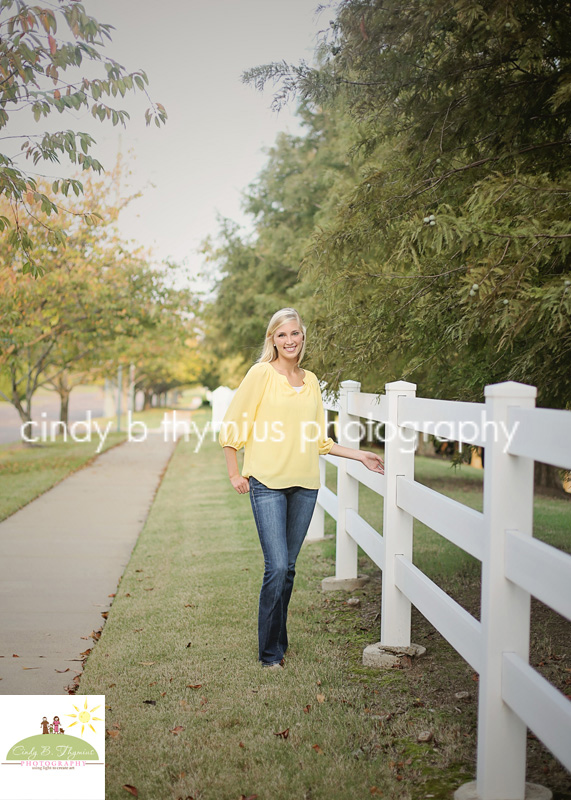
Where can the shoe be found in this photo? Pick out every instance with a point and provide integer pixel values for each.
(276, 665)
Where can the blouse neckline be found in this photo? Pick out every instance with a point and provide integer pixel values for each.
(286, 378)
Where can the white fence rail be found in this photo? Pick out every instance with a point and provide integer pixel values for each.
(512, 695)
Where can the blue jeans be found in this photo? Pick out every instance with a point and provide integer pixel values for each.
(282, 518)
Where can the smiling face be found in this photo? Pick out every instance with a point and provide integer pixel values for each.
(288, 340)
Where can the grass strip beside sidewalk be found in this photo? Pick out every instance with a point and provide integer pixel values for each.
(185, 616)
(27, 471)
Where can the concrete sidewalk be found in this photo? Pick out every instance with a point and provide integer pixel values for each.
(61, 557)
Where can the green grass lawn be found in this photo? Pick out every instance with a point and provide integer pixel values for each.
(191, 714)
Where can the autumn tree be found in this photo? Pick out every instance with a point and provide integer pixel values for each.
(96, 297)
(46, 58)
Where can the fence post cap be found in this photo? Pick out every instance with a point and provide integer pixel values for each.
(510, 389)
(351, 386)
(400, 386)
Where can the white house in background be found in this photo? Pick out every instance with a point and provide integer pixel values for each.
(220, 400)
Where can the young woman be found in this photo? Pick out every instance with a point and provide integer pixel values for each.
(277, 416)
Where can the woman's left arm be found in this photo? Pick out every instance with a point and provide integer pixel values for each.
(371, 460)
(326, 444)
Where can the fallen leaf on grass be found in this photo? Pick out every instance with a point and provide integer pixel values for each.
(193, 685)
(317, 749)
(188, 645)
(15, 656)
(241, 744)
(150, 702)
(177, 730)
(150, 590)
(131, 789)
(307, 708)
(376, 791)
(320, 698)
(113, 734)
(283, 734)
(250, 797)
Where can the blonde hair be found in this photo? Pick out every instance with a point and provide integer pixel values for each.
(269, 352)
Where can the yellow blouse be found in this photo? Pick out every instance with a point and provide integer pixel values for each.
(281, 429)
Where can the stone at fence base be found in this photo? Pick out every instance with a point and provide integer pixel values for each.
(334, 584)
(533, 791)
(387, 657)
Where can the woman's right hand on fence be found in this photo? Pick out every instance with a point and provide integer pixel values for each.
(241, 484)
(373, 461)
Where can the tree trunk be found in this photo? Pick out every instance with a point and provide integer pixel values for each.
(24, 412)
(147, 396)
(64, 405)
(548, 477)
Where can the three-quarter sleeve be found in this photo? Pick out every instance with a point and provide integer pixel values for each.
(325, 443)
(241, 413)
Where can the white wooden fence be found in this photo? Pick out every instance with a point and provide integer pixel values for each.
(512, 695)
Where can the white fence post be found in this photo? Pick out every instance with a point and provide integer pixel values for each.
(347, 497)
(347, 488)
(505, 607)
(397, 524)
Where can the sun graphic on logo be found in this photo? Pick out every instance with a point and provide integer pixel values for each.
(84, 717)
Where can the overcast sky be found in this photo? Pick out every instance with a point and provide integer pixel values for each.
(211, 147)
